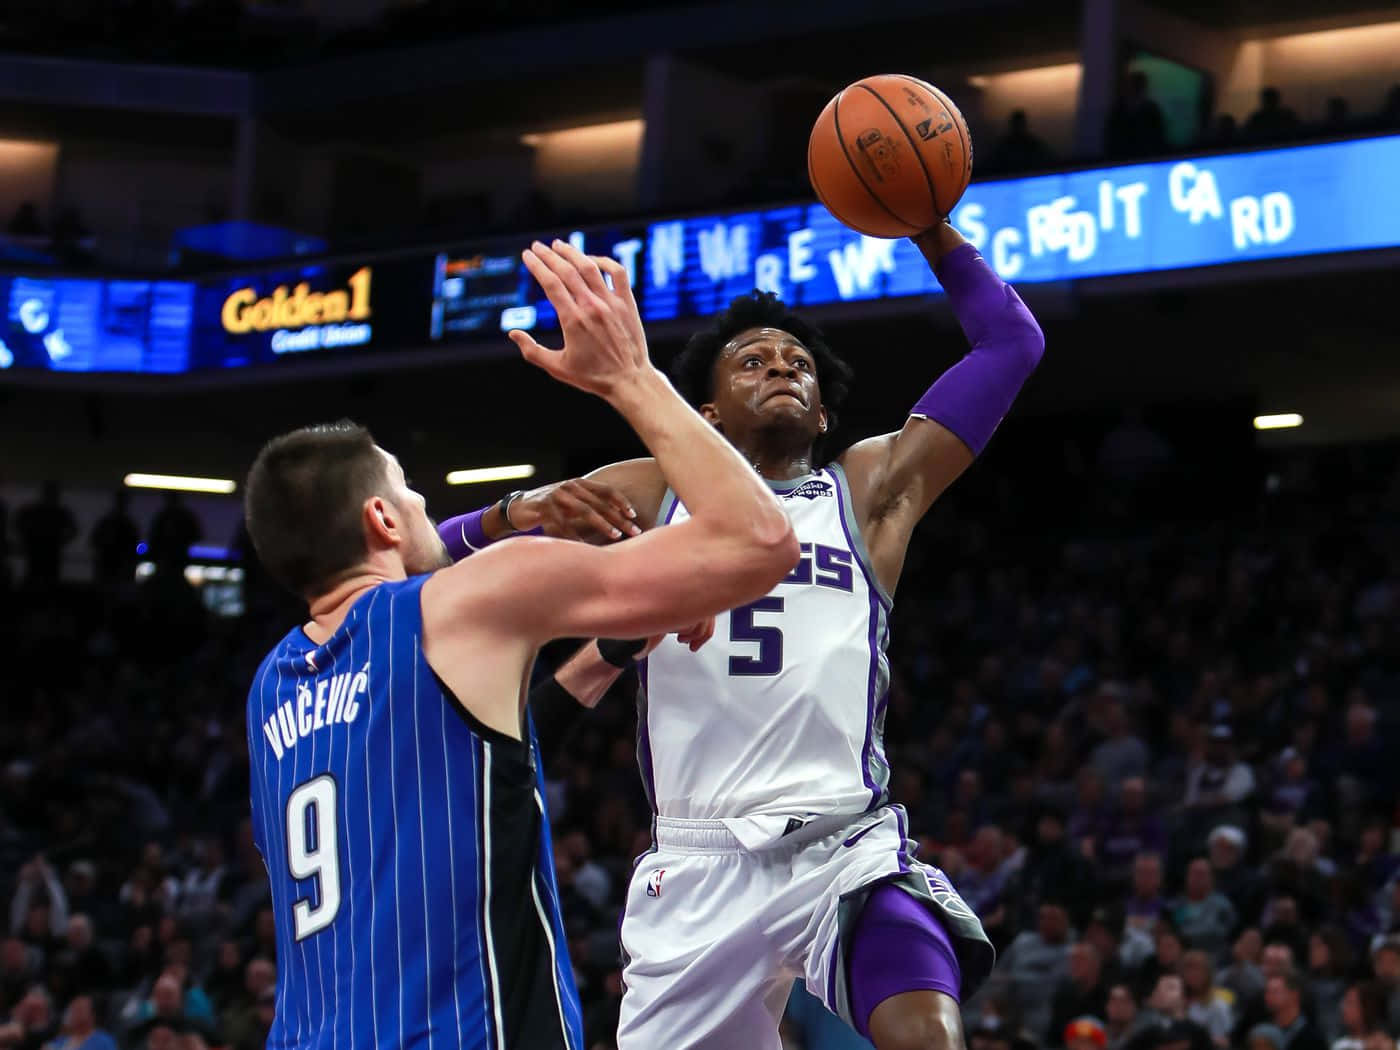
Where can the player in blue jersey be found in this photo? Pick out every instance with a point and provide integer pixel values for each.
(396, 792)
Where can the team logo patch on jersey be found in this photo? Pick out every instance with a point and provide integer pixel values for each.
(813, 489)
(654, 882)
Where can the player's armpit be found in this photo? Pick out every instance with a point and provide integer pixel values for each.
(895, 478)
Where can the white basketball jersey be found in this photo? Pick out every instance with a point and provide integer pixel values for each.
(780, 716)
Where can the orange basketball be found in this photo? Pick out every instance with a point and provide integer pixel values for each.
(890, 156)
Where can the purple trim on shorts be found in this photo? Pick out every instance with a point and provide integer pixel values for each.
(902, 853)
(897, 946)
(644, 762)
(875, 790)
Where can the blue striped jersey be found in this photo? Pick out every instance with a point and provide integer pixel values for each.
(408, 851)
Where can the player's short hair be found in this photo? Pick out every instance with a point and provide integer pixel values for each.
(694, 368)
(302, 503)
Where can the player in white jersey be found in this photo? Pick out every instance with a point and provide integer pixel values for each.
(776, 852)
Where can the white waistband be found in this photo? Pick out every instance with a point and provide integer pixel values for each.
(700, 836)
(714, 836)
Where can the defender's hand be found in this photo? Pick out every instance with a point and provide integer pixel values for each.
(697, 634)
(604, 345)
(577, 509)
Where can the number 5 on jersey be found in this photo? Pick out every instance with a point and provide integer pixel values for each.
(742, 628)
(314, 853)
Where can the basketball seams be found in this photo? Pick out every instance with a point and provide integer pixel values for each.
(841, 141)
(959, 124)
(913, 145)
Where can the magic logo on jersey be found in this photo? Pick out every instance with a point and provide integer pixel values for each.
(813, 489)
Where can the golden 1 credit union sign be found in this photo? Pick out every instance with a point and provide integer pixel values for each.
(300, 319)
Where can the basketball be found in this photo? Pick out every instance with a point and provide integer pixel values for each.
(890, 156)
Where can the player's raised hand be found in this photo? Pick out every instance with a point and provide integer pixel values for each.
(604, 344)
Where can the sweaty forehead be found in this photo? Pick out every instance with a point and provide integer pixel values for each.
(754, 336)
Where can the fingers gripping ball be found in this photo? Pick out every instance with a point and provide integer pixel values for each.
(890, 156)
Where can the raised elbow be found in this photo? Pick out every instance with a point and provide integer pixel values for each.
(1022, 332)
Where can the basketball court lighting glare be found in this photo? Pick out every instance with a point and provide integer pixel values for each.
(1281, 421)
(178, 483)
(477, 475)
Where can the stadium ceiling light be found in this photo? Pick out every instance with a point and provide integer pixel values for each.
(1280, 421)
(177, 483)
(477, 475)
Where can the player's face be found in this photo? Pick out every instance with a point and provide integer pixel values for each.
(765, 377)
(423, 549)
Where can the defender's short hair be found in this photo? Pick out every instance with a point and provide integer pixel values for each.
(302, 503)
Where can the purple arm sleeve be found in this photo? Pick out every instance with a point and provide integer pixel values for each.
(973, 396)
(463, 535)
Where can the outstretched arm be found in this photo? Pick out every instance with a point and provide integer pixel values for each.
(896, 477)
(485, 618)
(612, 503)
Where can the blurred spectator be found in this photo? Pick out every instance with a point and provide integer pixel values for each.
(18, 969)
(1135, 126)
(1055, 869)
(1283, 995)
(25, 222)
(1385, 964)
(44, 528)
(1294, 797)
(1082, 992)
(1018, 149)
(1122, 754)
(245, 1019)
(113, 541)
(1145, 902)
(1338, 118)
(982, 872)
(39, 885)
(1122, 948)
(1166, 1019)
(1034, 964)
(1329, 962)
(31, 1022)
(1242, 977)
(174, 530)
(1272, 121)
(1205, 917)
(79, 1030)
(1389, 116)
(1226, 845)
(1130, 830)
(1083, 1033)
(80, 965)
(1206, 1004)
(1122, 1019)
(1216, 786)
(1363, 1014)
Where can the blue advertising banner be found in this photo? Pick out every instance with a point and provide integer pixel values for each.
(1136, 218)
